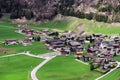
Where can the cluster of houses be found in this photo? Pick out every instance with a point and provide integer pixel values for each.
(30, 36)
(14, 41)
(96, 48)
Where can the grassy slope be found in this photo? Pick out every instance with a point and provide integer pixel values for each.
(17, 67)
(115, 75)
(66, 68)
(79, 71)
(7, 29)
(35, 48)
(69, 23)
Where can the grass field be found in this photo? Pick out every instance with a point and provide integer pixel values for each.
(17, 67)
(117, 58)
(69, 23)
(60, 68)
(66, 68)
(7, 31)
(35, 48)
(115, 75)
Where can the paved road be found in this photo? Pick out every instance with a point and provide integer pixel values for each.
(47, 57)
(11, 55)
(34, 71)
(118, 65)
(82, 62)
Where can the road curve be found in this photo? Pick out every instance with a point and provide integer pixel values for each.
(34, 71)
(118, 64)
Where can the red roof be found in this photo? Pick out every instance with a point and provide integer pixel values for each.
(79, 53)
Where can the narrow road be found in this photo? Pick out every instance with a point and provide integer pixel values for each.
(82, 62)
(118, 64)
(47, 57)
(34, 71)
(11, 55)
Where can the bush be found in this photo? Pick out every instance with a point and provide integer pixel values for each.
(101, 18)
(89, 16)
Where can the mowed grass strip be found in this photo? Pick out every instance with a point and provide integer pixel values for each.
(66, 68)
(17, 67)
(34, 48)
(115, 75)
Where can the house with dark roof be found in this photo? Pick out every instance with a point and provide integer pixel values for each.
(10, 42)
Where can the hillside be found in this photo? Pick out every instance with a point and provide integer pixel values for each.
(100, 10)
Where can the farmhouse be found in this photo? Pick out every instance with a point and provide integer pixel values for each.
(26, 43)
(10, 42)
(79, 55)
(65, 51)
(88, 57)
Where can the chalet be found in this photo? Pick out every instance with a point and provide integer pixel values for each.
(118, 51)
(53, 34)
(45, 31)
(43, 38)
(10, 42)
(112, 38)
(74, 44)
(25, 43)
(106, 66)
(116, 45)
(65, 51)
(91, 50)
(80, 39)
(88, 57)
(30, 37)
(56, 38)
(97, 61)
(28, 32)
(117, 39)
(104, 44)
(20, 30)
(58, 46)
(101, 55)
(54, 42)
(97, 35)
(80, 48)
(79, 55)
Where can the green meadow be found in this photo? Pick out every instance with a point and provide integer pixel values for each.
(17, 67)
(59, 68)
(70, 23)
(115, 75)
(66, 68)
(117, 58)
(34, 48)
(7, 31)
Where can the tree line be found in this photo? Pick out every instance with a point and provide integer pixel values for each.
(65, 7)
